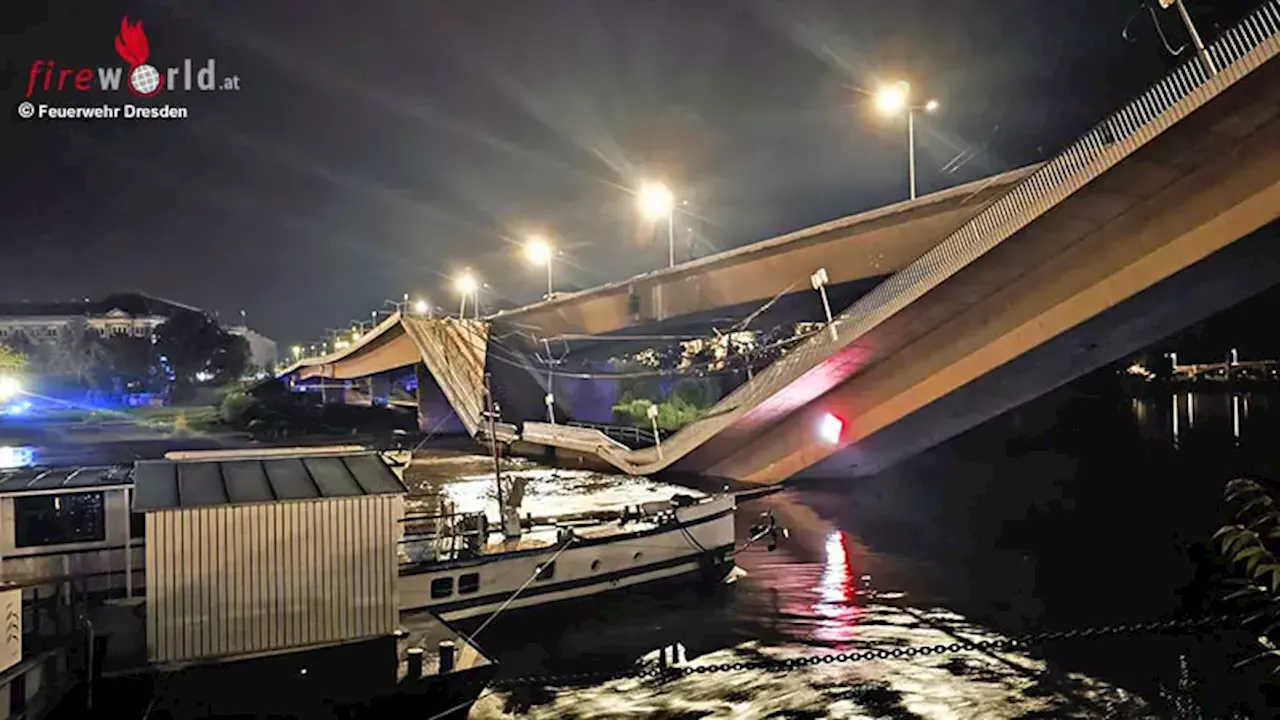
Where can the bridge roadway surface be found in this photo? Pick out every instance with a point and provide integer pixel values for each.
(1162, 215)
(858, 250)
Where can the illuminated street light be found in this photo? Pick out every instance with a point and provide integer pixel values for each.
(894, 99)
(891, 99)
(297, 351)
(421, 307)
(467, 286)
(657, 202)
(540, 252)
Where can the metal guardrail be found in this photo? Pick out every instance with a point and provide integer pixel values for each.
(628, 435)
(1243, 48)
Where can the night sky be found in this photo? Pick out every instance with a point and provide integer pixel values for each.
(375, 148)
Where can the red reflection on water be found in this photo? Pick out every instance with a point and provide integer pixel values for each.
(836, 611)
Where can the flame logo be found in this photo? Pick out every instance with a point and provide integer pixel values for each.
(131, 43)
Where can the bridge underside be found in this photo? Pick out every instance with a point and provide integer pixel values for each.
(450, 356)
(1141, 252)
(856, 251)
(1221, 281)
(1125, 211)
(1136, 232)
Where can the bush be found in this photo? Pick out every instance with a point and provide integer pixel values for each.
(687, 401)
(673, 414)
(239, 408)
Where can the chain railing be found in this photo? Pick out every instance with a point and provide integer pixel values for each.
(1018, 642)
(1238, 51)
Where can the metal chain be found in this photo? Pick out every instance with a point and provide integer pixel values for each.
(897, 653)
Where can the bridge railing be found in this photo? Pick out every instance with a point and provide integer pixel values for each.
(1238, 51)
(633, 437)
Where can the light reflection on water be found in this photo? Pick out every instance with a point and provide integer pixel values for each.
(467, 483)
(803, 599)
(836, 604)
(1208, 415)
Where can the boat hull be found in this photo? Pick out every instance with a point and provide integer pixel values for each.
(698, 546)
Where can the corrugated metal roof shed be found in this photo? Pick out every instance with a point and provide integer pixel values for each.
(167, 485)
(29, 480)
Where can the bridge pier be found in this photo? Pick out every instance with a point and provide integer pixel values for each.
(380, 390)
(333, 392)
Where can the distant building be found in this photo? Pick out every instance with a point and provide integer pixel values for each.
(132, 314)
(263, 352)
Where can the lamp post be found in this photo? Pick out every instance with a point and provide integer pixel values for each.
(819, 282)
(421, 307)
(657, 202)
(652, 413)
(894, 99)
(467, 286)
(1209, 65)
(539, 252)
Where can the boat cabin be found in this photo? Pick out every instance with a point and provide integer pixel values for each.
(70, 525)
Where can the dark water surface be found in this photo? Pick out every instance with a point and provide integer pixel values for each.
(1072, 511)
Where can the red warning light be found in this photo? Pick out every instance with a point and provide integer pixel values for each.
(830, 429)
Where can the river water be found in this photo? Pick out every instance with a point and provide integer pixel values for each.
(1072, 511)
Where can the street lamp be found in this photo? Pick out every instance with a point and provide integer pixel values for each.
(540, 252)
(297, 351)
(421, 307)
(892, 100)
(467, 286)
(657, 202)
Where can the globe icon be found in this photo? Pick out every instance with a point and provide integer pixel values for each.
(144, 79)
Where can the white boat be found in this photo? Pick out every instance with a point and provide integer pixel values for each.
(77, 525)
(467, 572)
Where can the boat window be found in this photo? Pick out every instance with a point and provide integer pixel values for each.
(546, 571)
(441, 587)
(58, 519)
(137, 525)
(468, 583)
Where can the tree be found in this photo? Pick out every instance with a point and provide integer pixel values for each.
(20, 343)
(1249, 548)
(132, 362)
(231, 359)
(187, 343)
(76, 353)
(11, 361)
